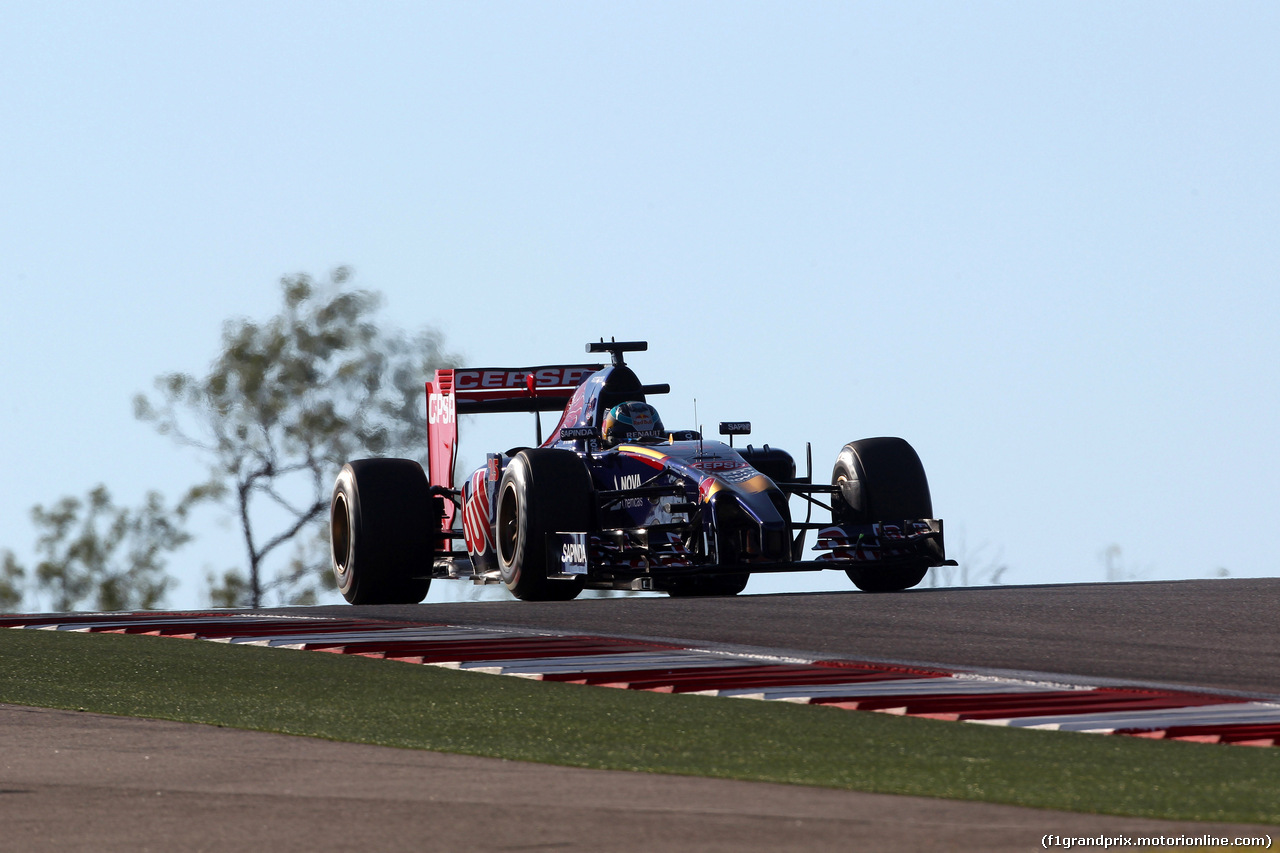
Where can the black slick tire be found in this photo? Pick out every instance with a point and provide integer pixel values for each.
(542, 491)
(881, 479)
(382, 521)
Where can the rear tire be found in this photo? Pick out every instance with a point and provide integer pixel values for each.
(382, 521)
(542, 491)
(881, 479)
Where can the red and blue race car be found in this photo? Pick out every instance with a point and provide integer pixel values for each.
(612, 499)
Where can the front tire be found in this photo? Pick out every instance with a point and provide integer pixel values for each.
(542, 491)
(881, 479)
(382, 521)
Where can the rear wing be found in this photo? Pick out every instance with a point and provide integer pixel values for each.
(481, 390)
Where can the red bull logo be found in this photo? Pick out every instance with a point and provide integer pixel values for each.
(475, 517)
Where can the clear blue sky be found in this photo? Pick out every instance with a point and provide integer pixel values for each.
(1039, 241)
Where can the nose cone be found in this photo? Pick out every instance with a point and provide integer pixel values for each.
(752, 526)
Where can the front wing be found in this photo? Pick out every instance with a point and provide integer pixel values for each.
(631, 557)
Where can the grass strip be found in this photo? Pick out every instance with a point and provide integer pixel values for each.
(421, 707)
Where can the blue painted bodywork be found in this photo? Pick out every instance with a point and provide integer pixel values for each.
(672, 504)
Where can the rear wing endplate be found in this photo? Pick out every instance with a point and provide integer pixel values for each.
(481, 390)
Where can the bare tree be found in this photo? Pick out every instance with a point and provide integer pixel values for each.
(1116, 569)
(283, 406)
(980, 567)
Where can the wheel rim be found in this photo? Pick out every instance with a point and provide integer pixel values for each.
(340, 534)
(508, 526)
(840, 480)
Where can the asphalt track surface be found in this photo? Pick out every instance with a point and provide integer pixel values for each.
(1220, 634)
(75, 782)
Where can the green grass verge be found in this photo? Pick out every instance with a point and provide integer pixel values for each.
(421, 707)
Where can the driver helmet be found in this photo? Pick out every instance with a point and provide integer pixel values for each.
(626, 419)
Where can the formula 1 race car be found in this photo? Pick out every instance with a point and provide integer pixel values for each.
(611, 499)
